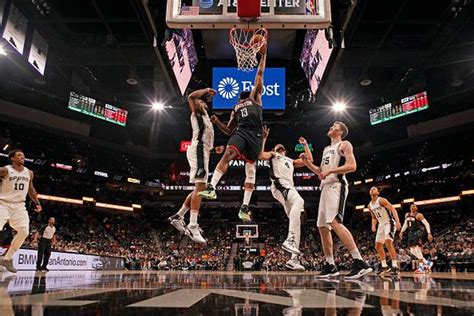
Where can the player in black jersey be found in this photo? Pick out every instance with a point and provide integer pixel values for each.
(246, 127)
(415, 236)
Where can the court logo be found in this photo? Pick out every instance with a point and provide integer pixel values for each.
(228, 88)
(206, 4)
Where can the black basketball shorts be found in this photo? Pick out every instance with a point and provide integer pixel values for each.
(247, 143)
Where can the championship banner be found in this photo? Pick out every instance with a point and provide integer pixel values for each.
(15, 30)
(3, 4)
(38, 52)
(25, 259)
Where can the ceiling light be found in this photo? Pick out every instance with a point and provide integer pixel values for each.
(3, 52)
(132, 81)
(157, 106)
(338, 107)
(365, 82)
(457, 82)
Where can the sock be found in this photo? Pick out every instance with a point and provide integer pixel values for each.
(384, 263)
(216, 177)
(247, 196)
(395, 263)
(193, 218)
(330, 259)
(356, 254)
(183, 210)
(419, 254)
(294, 256)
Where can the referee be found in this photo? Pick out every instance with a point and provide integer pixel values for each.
(47, 236)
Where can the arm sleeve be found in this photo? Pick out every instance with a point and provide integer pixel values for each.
(405, 226)
(427, 225)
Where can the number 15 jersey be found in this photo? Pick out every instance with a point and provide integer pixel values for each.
(333, 158)
(14, 187)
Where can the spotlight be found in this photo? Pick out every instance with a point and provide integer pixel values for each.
(6, 147)
(157, 106)
(3, 52)
(338, 107)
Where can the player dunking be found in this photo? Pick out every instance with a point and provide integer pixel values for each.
(338, 159)
(412, 224)
(198, 159)
(16, 183)
(283, 190)
(245, 125)
(388, 223)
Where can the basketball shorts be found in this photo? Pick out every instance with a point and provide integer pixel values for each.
(15, 214)
(198, 159)
(247, 143)
(386, 231)
(414, 239)
(287, 197)
(332, 203)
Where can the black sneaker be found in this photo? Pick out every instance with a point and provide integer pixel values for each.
(329, 270)
(359, 269)
(382, 270)
(394, 271)
(245, 214)
(45, 269)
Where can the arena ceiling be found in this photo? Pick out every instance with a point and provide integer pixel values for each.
(401, 46)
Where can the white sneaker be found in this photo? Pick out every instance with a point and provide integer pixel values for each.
(194, 232)
(290, 246)
(177, 222)
(295, 265)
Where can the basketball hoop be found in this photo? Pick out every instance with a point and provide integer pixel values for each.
(247, 43)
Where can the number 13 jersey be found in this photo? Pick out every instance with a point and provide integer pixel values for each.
(14, 187)
(248, 115)
(333, 158)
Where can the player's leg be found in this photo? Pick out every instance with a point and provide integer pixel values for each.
(193, 230)
(329, 267)
(379, 242)
(177, 220)
(295, 205)
(393, 255)
(337, 195)
(235, 145)
(20, 222)
(249, 186)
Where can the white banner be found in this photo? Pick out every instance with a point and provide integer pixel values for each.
(38, 52)
(15, 30)
(2, 11)
(25, 259)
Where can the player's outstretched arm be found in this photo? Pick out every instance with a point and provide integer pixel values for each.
(298, 163)
(227, 129)
(349, 166)
(265, 155)
(421, 218)
(385, 203)
(3, 172)
(195, 95)
(256, 93)
(311, 166)
(33, 194)
(404, 227)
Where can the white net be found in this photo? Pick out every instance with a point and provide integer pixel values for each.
(247, 43)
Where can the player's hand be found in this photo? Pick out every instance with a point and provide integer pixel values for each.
(214, 119)
(323, 175)
(38, 208)
(304, 157)
(303, 141)
(398, 226)
(220, 149)
(266, 132)
(212, 92)
(430, 237)
(374, 229)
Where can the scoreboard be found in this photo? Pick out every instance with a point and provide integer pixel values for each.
(405, 106)
(92, 107)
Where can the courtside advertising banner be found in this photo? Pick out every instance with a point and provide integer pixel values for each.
(25, 259)
(229, 82)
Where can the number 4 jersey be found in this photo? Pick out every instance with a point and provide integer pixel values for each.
(14, 187)
(333, 158)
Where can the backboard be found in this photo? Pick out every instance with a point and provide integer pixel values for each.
(222, 14)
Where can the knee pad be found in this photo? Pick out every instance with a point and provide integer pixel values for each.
(250, 172)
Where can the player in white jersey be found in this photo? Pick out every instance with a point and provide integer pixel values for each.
(386, 216)
(16, 183)
(283, 190)
(338, 159)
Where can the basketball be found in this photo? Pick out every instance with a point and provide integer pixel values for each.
(257, 38)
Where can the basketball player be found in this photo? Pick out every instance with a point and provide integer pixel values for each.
(387, 217)
(338, 159)
(283, 190)
(16, 183)
(198, 159)
(412, 224)
(245, 125)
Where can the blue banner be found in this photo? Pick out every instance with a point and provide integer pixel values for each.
(229, 82)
